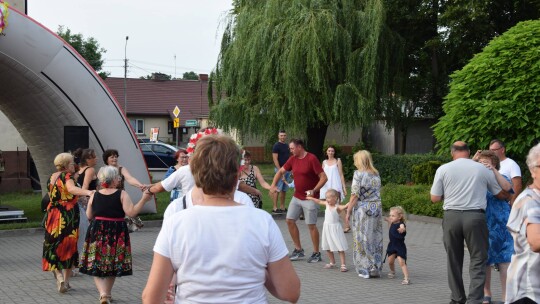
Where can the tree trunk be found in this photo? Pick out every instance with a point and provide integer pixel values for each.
(315, 139)
(403, 147)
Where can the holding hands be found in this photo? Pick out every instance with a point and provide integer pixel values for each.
(146, 197)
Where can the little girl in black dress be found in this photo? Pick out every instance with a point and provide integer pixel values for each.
(396, 247)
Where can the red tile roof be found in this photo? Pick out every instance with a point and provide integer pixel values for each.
(151, 97)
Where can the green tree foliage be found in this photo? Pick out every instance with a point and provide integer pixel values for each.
(300, 65)
(190, 76)
(496, 94)
(88, 48)
(440, 37)
(157, 76)
(419, 76)
(468, 26)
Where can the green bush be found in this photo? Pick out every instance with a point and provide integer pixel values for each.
(415, 199)
(396, 169)
(496, 94)
(525, 173)
(425, 172)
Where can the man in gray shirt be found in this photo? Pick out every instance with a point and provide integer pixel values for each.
(463, 184)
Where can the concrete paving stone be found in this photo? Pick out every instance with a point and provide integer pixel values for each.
(22, 281)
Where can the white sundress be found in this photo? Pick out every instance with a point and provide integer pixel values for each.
(334, 180)
(333, 237)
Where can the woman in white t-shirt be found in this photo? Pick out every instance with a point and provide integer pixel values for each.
(222, 251)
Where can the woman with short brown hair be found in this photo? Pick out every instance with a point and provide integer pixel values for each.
(237, 233)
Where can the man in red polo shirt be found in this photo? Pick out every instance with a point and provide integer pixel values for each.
(309, 177)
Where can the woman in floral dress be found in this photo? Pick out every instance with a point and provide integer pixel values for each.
(366, 221)
(107, 249)
(62, 223)
(248, 174)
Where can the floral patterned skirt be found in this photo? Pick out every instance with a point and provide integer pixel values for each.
(106, 250)
(61, 233)
(367, 237)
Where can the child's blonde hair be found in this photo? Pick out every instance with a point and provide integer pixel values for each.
(334, 193)
(400, 211)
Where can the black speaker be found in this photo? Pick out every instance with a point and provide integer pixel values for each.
(75, 137)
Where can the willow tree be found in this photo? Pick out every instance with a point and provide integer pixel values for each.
(301, 65)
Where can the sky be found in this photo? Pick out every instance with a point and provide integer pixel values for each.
(158, 30)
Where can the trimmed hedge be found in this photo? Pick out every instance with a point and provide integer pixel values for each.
(395, 169)
(415, 199)
(424, 173)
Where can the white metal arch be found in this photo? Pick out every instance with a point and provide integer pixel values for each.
(46, 85)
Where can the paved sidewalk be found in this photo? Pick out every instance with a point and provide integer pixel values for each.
(22, 281)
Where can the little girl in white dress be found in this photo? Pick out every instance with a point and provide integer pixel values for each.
(333, 237)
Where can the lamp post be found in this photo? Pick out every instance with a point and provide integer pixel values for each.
(125, 77)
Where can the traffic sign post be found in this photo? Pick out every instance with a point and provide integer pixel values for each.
(191, 123)
(176, 121)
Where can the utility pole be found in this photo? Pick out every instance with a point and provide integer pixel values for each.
(175, 68)
(125, 77)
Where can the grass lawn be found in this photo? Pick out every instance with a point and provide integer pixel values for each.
(30, 202)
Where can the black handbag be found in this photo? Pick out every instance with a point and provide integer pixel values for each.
(133, 223)
(45, 202)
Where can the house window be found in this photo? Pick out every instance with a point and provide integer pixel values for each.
(137, 125)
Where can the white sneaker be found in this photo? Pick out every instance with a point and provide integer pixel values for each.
(365, 276)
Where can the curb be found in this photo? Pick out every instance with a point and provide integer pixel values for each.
(157, 223)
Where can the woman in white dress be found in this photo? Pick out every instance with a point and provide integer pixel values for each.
(333, 169)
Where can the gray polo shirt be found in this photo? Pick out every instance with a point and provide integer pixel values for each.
(463, 183)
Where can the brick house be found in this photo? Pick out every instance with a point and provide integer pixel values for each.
(150, 104)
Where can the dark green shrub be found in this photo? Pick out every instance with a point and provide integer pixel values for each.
(425, 172)
(415, 199)
(396, 169)
(525, 173)
(496, 94)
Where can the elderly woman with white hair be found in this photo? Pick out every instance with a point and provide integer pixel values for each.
(523, 282)
(107, 248)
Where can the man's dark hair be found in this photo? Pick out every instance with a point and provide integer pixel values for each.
(298, 142)
(282, 131)
(497, 141)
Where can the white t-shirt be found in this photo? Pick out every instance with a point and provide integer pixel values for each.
(510, 168)
(181, 178)
(178, 204)
(220, 254)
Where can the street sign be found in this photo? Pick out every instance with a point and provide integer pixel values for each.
(191, 123)
(176, 123)
(176, 111)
